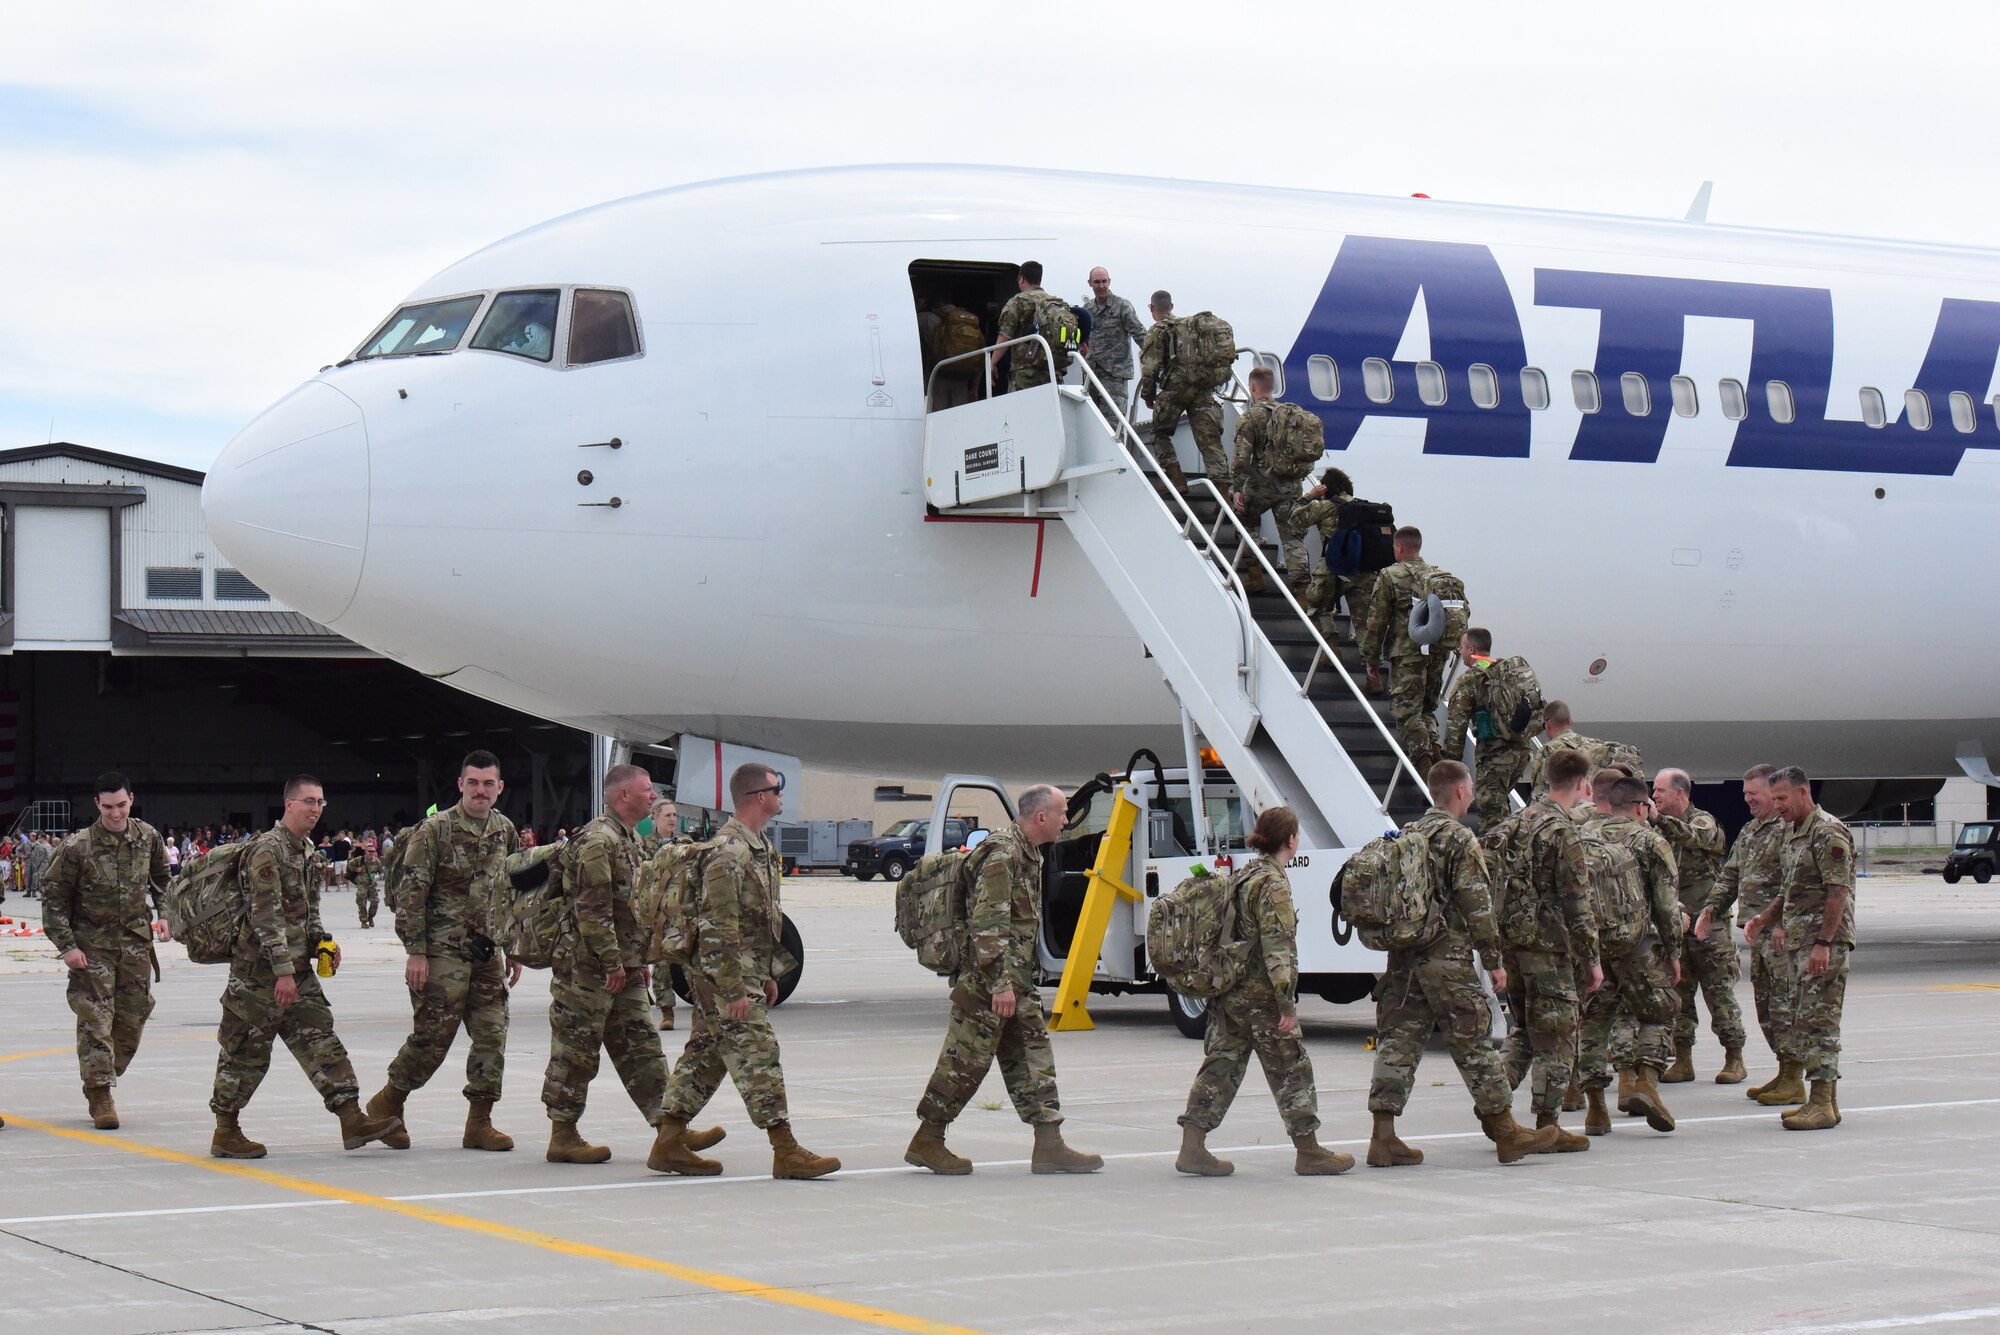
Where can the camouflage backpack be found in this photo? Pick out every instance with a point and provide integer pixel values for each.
(1204, 354)
(204, 905)
(958, 333)
(1295, 443)
(530, 905)
(1191, 938)
(1510, 847)
(1056, 322)
(1617, 888)
(669, 886)
(1441, 614)
(931, 908)
(1385, 892)
(1621, 755)
(1511, 697)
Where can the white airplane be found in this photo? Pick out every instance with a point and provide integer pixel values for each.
(656, 467)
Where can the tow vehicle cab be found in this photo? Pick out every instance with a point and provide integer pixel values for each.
(1976, 853)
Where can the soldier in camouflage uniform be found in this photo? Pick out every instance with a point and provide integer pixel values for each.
(1497, 761)
(1260, 1014)
(1320, 509)
(1709, 964)
(597, 988)
(1434, 985)
(1170, 396)
(40, 855)
(1639, 932)
(1257, 491)
(1029, 367)
(455, 972)
(1813, 917)
(273, 992)
(1558, 735)
(1749, 880)
(996, 1010)
(738, 957)
(95, 910)
(1114, 328)
(1410, 664)
(366, 865)
(666, 833)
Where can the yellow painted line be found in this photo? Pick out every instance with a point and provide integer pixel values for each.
(1967, 987)
(38, 1052)
(548, 1242)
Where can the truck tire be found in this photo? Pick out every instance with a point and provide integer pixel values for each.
(1344, 989)
(894, 868)
(1983, 872)
(1190, 1014)
(788, 936)
(1951, 875)
(864, 876)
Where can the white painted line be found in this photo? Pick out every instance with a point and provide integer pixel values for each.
(1889, 1322)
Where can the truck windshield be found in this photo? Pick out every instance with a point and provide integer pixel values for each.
(422, 326)
(902, 829)
(1975, 836)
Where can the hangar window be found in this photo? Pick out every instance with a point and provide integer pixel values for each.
(173, 582)
(1323, 378)
(1778, 398)
(1430, 383)
(1377, 381)
(1637, 393)
(422, 326)
(1583, 388)
(1735, 402)
(1874, 410)
(1484, 384)
(601, 328)
(233, 586)
(1917, 409)
(1964, 413)
(1535, 388)
(1686, 402)
(521, 323)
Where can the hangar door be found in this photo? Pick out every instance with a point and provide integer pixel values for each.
(62, 574)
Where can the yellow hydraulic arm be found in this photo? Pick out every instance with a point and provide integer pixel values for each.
(1107, 886)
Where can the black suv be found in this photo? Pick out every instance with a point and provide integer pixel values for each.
(894, 851)
(1976, 854)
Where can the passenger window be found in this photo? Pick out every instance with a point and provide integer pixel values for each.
(1638, 394)
(1778, 398)
(1484, 383)
(1377, 381)
(1535, 389)
(523, 323)
(1583, 388)
(1323, 378)
(423, 326)
(1964, 413)
(1686, 402)
(1874, 409)
(1735, 402)
(601, 327)
(1430, 383)
(1917, 409)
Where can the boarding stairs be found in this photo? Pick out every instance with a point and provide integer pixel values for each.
(1254, 674)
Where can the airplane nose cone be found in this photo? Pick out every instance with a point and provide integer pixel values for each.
(287, 501)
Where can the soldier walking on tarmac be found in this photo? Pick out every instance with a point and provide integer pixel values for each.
(1749, 881)
(1709, 965)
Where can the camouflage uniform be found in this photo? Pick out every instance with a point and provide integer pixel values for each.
(1497, 760)
(1410, 668)
(39, 857)
(444, 886)
(281, 879)
(1817, 859)
(1711, 965)
(96, 900)
(1245, 1018)
(367, 871)
(1114, 327)
(663, 976)
(1551, 939)
(1262, 492)
(585, 1018)
(1003, 917)
(1749, 879)
(1435, 985)
(1170, 396)
(738, 948)
(1028, 366)
(1637, 956)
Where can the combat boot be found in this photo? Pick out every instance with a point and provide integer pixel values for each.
(673, 1154)
(388, 1102)
(666, 1019)
(1195, 1160)
(1052, 1156)
(357, 1128)
(479, 1130)
(1316, 1160)
(1572, 1098)
(1732, 1072)
(1625, 1093)
(1562, 1142)
(1515, 1142)
(229, 1141)
(928, 1150)
(103, 1112)
(1788, 1088)
(1597, 1120)
(1820, 1112)
(1175, 477)
(1754, 1090)
(791, 1160)
(1253, 579)
(1386, 1149)
(566, 1146)
(1646, 1098)
(1682, 1070)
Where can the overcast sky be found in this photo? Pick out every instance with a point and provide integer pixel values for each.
(205, 202)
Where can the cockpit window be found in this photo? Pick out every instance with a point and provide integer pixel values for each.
(523, 323)
(423, 326)
(600, 327)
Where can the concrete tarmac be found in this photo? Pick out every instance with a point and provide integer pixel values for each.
(1730, 1223)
